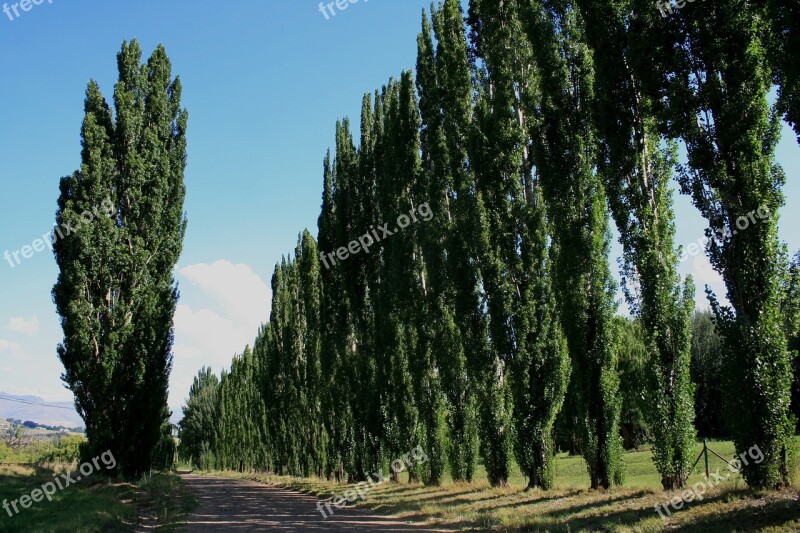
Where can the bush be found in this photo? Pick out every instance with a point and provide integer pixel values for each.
(65, 449)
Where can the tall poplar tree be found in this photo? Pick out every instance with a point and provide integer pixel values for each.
(446, 103)
(367, 265)
(278, 386)
(199, 418)
(396, 336)
(334, 405)
(448, 358)
(115, 292)
(525, 328)
(238, 440)
(709, 70)
(564, 155)
(347, 210)
(501, 177)
(636, 171)
(784, 49)
(308, 265)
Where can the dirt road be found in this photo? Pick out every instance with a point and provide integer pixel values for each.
(243, 505)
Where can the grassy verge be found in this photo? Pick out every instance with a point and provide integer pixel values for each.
(92, 504)
(89, 505)
(164, 502)
(729, 506)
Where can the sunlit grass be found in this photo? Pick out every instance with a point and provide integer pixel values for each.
(88, 506)
(94, 504)
(571, 506)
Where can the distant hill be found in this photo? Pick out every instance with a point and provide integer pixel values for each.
(37, 410)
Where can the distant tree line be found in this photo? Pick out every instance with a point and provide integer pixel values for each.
(33, 425)
(490, 331)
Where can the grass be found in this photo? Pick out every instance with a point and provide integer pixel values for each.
(165, 501)
(571, 506)
(93, 504)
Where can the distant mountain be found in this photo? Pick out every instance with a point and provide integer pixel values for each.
(37, 410)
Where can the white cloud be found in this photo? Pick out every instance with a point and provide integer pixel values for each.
(13, 350)
(704, 274)
(237, 303)
(20, 324)
(241, 294)
(204, 334)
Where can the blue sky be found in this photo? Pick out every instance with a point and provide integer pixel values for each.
(264, 83)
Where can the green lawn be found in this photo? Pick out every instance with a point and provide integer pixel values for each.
(571, 506)
(93, 504)
(640, 470)
(87, 506)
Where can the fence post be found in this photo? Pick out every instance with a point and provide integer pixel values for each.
(705, 452)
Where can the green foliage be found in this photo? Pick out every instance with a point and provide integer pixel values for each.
(528, 124)
(334, 406)
(525, 334)
(563, 153)
(636, 168)
(790, 310)
(115, 293)
(66, 449)
(710, 75)
(199, 417)
(784, 49)
(707, 366)
(239, 432)
(634, 362)
(456, 328)
(165, 452)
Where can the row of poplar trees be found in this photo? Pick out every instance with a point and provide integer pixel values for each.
(530, 125)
